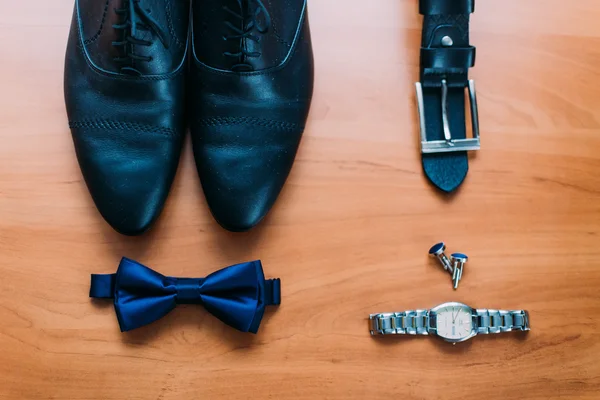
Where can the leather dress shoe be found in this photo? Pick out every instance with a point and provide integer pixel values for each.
(125, 95)
(252, 84)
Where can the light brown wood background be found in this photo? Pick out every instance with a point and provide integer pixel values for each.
(349, 235)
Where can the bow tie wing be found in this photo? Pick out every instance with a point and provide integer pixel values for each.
(142, 295)
(235, 295)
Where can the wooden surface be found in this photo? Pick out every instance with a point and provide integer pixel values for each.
(348, 236)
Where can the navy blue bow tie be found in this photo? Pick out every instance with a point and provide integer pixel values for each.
(237, 295)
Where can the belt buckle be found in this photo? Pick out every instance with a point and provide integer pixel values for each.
(448, 145)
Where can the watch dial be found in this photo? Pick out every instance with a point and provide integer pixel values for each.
(454, 322)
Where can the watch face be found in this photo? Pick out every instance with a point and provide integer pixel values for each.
(454, 322)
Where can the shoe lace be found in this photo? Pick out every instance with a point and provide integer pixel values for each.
(135, 18)
(250, 22)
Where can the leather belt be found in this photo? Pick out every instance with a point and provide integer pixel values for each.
(446, 57)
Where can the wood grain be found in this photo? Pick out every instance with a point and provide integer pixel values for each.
(348, 236)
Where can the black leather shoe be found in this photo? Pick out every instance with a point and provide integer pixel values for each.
(252, 83)
(125, 95)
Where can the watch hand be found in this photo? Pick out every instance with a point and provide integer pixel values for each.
(454, 316)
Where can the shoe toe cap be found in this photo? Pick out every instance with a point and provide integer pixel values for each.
(243, 169)
(128, 173)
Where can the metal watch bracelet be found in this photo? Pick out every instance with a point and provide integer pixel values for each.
(418, 322)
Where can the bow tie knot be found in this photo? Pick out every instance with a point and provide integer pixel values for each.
(237, 295)
(188, 290)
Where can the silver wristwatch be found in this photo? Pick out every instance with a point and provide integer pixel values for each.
(453, 322)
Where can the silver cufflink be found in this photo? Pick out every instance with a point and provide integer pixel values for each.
(437, 250)
(458, 262)
(454, 265)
